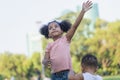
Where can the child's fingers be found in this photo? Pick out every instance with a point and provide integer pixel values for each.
(87, 1)
(49, 64)
(90, 3)
(87, 5)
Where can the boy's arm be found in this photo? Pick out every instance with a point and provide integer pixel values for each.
(85, 7)
(79, 77)
(73, 76)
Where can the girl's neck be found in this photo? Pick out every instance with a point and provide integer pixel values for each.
(56, 37)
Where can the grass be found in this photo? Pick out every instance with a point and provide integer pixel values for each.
(112, 77)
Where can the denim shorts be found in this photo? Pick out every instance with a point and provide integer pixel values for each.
(62, 75)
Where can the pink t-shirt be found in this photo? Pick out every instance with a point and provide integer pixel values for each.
(60, 57)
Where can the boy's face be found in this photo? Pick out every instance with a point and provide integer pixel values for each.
(54, 29)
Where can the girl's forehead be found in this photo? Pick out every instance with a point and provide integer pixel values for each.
(53, 23)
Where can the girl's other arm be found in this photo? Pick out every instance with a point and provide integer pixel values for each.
(85, 7)
(46, 59)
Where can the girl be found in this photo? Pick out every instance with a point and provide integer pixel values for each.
(58, 52)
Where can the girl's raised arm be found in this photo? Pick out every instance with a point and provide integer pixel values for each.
(85, 7)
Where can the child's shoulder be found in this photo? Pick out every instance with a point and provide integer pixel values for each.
(88, 76)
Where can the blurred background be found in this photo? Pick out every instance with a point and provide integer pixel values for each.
(22, 46)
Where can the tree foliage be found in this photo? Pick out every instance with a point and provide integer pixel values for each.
(18, 65)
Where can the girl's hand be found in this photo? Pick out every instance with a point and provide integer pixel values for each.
(86, 6)
(47, 63)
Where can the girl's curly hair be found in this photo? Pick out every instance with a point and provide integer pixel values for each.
(64, 25)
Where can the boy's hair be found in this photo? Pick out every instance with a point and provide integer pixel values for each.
(89, 60)
(64, 25)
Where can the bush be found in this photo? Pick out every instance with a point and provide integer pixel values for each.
(112, 77)
(1, 77)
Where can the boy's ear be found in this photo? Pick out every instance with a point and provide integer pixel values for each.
(96, 68)
(83, 67)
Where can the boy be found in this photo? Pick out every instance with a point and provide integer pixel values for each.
(89, 66)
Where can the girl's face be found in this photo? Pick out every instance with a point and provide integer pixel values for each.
(54, 30)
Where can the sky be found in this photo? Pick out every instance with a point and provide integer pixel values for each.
(19, 17)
